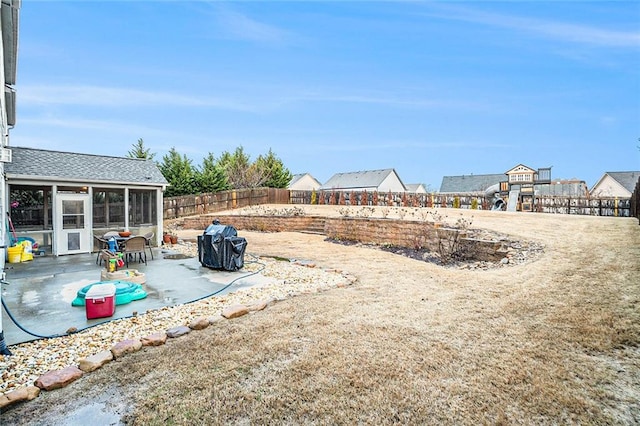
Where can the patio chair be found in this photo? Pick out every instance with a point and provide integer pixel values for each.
(149, 236)
(102, 244)
(135, 247)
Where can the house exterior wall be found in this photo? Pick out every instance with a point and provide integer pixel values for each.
(609, 187)
(416, 188)
(391, 183)
(8, 55)
(47, 237)
(521, 174)
(305, 183)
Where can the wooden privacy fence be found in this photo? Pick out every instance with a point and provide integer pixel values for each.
(190, 205)
(391, 199)
(605, 206)
(609, 206)
(635, 202)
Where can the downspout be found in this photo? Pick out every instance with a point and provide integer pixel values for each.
(126, 208)
(159, 215)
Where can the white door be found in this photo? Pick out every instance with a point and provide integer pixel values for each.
(73, 234)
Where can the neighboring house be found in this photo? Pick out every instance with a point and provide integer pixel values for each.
(470, 184)
(515, 189)
(371, 181)
(416, 188)
(563, 188)
(521, 186)
(304, 182)
(616, 184)
(62, 199)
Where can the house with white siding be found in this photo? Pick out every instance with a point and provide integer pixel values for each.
(9, 28)
(370, 180)
(62, 199)
(416, 188)
(304, 182)
(615, 184)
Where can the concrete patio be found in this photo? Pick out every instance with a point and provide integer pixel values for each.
(40, 292)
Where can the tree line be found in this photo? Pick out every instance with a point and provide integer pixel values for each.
(231, 170)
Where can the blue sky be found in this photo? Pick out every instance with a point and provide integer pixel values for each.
(428, 88)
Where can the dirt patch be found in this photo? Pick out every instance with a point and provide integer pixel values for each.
(516, 251)
(550, 341)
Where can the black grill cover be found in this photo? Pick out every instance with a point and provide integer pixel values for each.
(219, 247)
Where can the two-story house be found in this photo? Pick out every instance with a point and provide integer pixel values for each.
(521, 184)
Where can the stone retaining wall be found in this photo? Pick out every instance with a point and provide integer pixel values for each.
(258, 223)
(392, 232)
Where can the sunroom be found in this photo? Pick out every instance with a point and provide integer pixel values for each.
(61, 200)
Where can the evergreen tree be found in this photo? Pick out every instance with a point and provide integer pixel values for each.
(241, 173)
(139, 151)
(180, 174)
(277, 175)
(212, 177)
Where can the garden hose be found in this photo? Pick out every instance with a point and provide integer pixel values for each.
(5, 351)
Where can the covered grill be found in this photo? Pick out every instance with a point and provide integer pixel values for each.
(219, 247)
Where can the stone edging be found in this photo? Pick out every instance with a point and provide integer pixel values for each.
(56, 379)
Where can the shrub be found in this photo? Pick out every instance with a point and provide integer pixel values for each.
(344, 211)
(450, 246)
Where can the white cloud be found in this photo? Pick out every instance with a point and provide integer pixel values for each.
(563, 31)
(242, 27)
(355, 147)
(82, 124)
(121, 97)
(392, 100)
(252, 100)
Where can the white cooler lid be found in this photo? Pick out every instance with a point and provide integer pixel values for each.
(101, 290)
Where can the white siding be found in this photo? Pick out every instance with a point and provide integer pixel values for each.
(391, 183)
(305, 183)
(609, 187)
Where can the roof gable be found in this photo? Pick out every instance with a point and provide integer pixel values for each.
(520, 168)
(304, 182)
(627, 179)
(416, 187)
(31, 163)
(296, 178)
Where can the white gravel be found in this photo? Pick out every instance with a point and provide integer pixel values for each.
(286, 279)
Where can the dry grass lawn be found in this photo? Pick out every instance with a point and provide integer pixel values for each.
(554, 341)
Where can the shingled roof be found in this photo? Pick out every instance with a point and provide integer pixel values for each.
(626, 179)
(40, 164)
(364, 179)
(470, 183)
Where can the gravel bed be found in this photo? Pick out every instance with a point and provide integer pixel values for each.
(287, 279)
